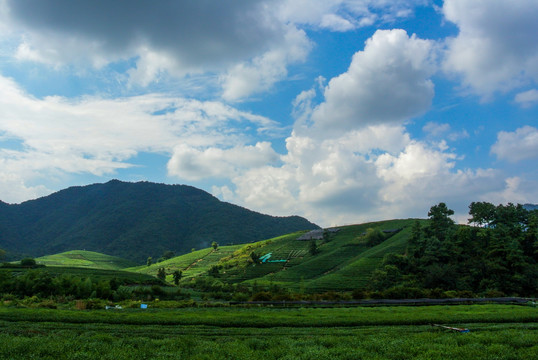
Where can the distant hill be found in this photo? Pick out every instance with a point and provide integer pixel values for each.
(530, 207)
(133, 221)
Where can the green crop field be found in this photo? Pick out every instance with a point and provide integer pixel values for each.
(496, 332)
(86, 259)
(192, 264)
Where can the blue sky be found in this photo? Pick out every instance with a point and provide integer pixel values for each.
(341, 111)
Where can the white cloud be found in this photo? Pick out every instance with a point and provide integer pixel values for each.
(527, 98)
(345, 15)
(263, 71)
(247, 45)
(516, 146)
(436, 130)
(193, 164)
(516, 190)
(164, 38)
(388, 82)
(93, 135)
(496, 49)
(369, 174)
(369, 168)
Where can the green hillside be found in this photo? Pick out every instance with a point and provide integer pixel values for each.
(85, 259)
(497, 255)
(344, 260)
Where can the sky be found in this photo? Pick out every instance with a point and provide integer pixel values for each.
(341, 111)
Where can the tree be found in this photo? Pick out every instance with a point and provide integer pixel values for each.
(415, 247)
(313, 249)
(2, 254)
(168, 255)
(255, 257)
(214, 270)
(149, 261)
(161, 274)
(28, 262)
(177, 276)
(441, 224)
(214, 245)
(374, 237)
(482, 213)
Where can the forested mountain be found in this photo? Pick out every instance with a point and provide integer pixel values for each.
(134, 221)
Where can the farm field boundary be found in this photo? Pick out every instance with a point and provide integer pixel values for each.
(278, 317)
(392, 302)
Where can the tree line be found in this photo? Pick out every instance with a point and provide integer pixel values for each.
(496, 254)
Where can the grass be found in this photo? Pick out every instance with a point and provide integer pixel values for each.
(95, 274)
(298, 317)
(497, 332)
(85, 259)
(342, 264)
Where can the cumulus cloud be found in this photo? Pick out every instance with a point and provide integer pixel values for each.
(193, 164)
(496, 48)
(387, 82)
(369, 168)
(260, 73)
(519, 145)
(369, 174)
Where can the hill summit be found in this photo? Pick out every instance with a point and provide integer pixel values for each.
(133, 221)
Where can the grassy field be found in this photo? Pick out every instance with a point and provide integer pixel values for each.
(85, 259)
(95, 274)
(496, 332)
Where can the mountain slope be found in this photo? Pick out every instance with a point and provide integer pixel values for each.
(133, 221)
(345, 262)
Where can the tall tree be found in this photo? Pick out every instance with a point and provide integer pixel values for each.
(313, 249)
(441, 224)
(177, 276)
(161, 274)
(482, 213)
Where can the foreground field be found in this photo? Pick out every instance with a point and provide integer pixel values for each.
(496, 332)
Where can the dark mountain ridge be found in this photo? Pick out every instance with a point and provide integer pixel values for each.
(134, 221)
(530, 207)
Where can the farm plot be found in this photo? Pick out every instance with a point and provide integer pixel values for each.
(88, 259)
(497, 332)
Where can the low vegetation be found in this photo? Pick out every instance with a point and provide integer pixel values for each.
(503, 332)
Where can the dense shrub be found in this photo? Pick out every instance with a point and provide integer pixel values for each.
(262, 296)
